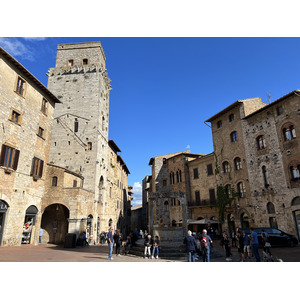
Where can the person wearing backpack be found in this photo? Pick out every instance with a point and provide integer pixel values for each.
(190, 245)
(205, 241)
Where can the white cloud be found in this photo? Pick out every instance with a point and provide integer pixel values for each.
(16, 48)
(137, 194)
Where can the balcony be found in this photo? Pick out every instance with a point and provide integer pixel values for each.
(201, 203)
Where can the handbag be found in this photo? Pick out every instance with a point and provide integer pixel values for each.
(267, 244)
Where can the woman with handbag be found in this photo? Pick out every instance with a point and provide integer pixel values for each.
(265, 243)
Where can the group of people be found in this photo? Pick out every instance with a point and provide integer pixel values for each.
(198, 245)
(247, 245)
(126, 244)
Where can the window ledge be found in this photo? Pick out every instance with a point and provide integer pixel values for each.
(16, 123)
(41, 137)
(8, 170)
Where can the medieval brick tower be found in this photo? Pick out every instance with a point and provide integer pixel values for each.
(80, 128)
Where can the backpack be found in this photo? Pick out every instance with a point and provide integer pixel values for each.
(204, 241)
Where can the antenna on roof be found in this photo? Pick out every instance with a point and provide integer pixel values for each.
(269, 98)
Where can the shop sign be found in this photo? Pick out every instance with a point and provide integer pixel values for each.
(3, 206)
(229, 209)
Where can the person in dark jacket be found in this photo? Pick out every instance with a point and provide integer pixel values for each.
(191, 246)
(118, 242)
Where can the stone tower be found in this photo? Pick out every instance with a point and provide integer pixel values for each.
(80, 129)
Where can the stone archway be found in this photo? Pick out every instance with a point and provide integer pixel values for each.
(55, 223)
(244, 218)
(295, 204)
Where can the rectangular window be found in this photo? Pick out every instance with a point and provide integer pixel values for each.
(196, 175)
(76, 126)
(231, 117)
(70, 62)
(85, 61)
(279, 110)
(44, 106)
(15, 117)
(9, 157)
(37, 168)
(209, 170)
(74, 183)
(20, 86)
(40, 132)
(212, 195)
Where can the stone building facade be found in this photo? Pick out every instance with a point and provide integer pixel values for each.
(26, 114)
(231, 166)
(263, 155)
(59, 169)
(202, 203)
(80, 140)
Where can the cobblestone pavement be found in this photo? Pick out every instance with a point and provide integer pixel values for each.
(99, 253)
(55, 253)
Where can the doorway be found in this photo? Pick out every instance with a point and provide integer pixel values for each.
(29, 224)
(3, 210)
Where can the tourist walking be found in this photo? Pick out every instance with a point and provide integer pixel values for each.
(148, 242)
(206, 243)
(227, 247)
(128, 245)
(190, 245)
(247, 253)
(233, 239)
(118, 242)
(155, 247)
(265, 242)
(240, 245)
(40, 235)
(254, 240)
(110, 241)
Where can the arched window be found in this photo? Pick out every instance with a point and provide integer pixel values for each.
(289, 133)
(265, 176)
(54, 181)
(296, 201)
(172, 178)
(234, 136)
(241, 190)
(225, 167)
(228, 192)
(237, 163)
(166, 206)
(270, 208)
(219, 124)
(261, 142)
(295, 172)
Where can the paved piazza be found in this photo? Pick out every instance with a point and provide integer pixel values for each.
(99, 253)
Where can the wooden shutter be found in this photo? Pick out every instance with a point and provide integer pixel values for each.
(41, 166)
(2, 156)
(32, 166)
(16, 159)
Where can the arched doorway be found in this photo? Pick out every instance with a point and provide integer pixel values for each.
(3, 209)
(245, 220)
(231, 223)
(296, 213)
(89, 228)
(55, 223)
(29, 224)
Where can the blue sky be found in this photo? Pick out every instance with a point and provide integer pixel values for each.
(163, 89)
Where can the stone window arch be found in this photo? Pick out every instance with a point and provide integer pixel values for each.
(270, 208)
(166, 205)
(234, 136)
(54, 181)
(261, 142)
(289, 131)
(225, 167)
(295, 201)
(241, 189)
(237, 163)
(295, 171)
